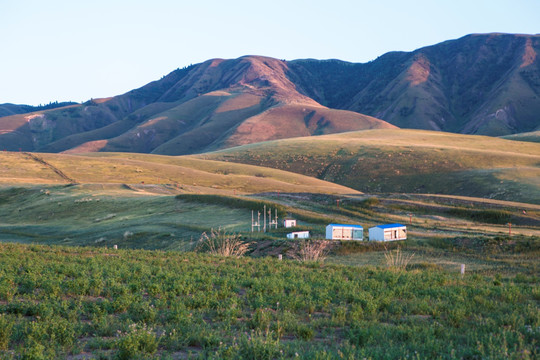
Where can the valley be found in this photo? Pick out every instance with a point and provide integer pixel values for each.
(130, 226)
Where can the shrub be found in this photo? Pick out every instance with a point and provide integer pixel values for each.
(396, 259)
(370, 202)
(5, 332)
(221, 243)
(34, 351)
(259, 346)
(7, 290)
(309, 250)
(137, 341)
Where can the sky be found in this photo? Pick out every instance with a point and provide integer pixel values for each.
(69, 50)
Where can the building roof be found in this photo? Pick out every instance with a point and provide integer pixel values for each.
(347, 225)
(388, 226)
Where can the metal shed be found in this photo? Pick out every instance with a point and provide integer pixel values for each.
(298, 235)
(289, 223)
(388, 232)
(344, 232)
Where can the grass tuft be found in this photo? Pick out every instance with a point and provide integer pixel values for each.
(396, 259)
(219, 242)
(310, 250)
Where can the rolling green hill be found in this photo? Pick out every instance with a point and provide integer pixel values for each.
(179, 173)
(533, 136)
(409, 161)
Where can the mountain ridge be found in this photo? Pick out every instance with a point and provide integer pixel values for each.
(479, 84)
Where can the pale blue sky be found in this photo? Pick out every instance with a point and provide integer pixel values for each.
(76, 50)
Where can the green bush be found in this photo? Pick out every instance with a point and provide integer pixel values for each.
(488, 216)
(5, 332)
(136, 342)
(259, 346)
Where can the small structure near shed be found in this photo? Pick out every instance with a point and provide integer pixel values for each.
(298, 235)
(344, 232)
(287, 223)
(388, 232)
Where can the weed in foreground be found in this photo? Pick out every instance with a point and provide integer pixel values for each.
(136, 342)
(396, 259)
(219, 242)
(310, 250)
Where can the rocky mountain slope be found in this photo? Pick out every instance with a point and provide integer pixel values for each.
(213, 105)
(479, 84)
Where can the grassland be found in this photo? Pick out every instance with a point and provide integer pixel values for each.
(65, 302)
(181, 173)
(162, 217)
(406, 161)
(155, 298)
(533, 136)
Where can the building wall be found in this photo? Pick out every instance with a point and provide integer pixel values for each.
(298, 235)
(390, 234)
(289, 223)
(334, 232)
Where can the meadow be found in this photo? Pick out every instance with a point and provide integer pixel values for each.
(405, 161)
(88, 302)
(67, 292)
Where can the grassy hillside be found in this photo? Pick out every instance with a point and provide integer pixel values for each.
(179, 173)
(533, 136)
(406, 161)
(161, 216)
(94, 301)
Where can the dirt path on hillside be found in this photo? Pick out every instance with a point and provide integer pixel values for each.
(50, 166)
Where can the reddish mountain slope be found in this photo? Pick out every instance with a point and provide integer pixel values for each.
(479, 84)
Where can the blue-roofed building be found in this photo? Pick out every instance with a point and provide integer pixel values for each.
(388, 232)
(344, 232)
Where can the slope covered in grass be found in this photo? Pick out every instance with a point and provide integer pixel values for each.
(533, 136)
(182, 173)
(411, 161)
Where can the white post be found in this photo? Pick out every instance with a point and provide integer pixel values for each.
(462, 269)
(280, 257)
(115, 247)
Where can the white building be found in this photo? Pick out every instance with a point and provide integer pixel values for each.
(344, 232)
(298, 235)
(289, 223)
(388, 232)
